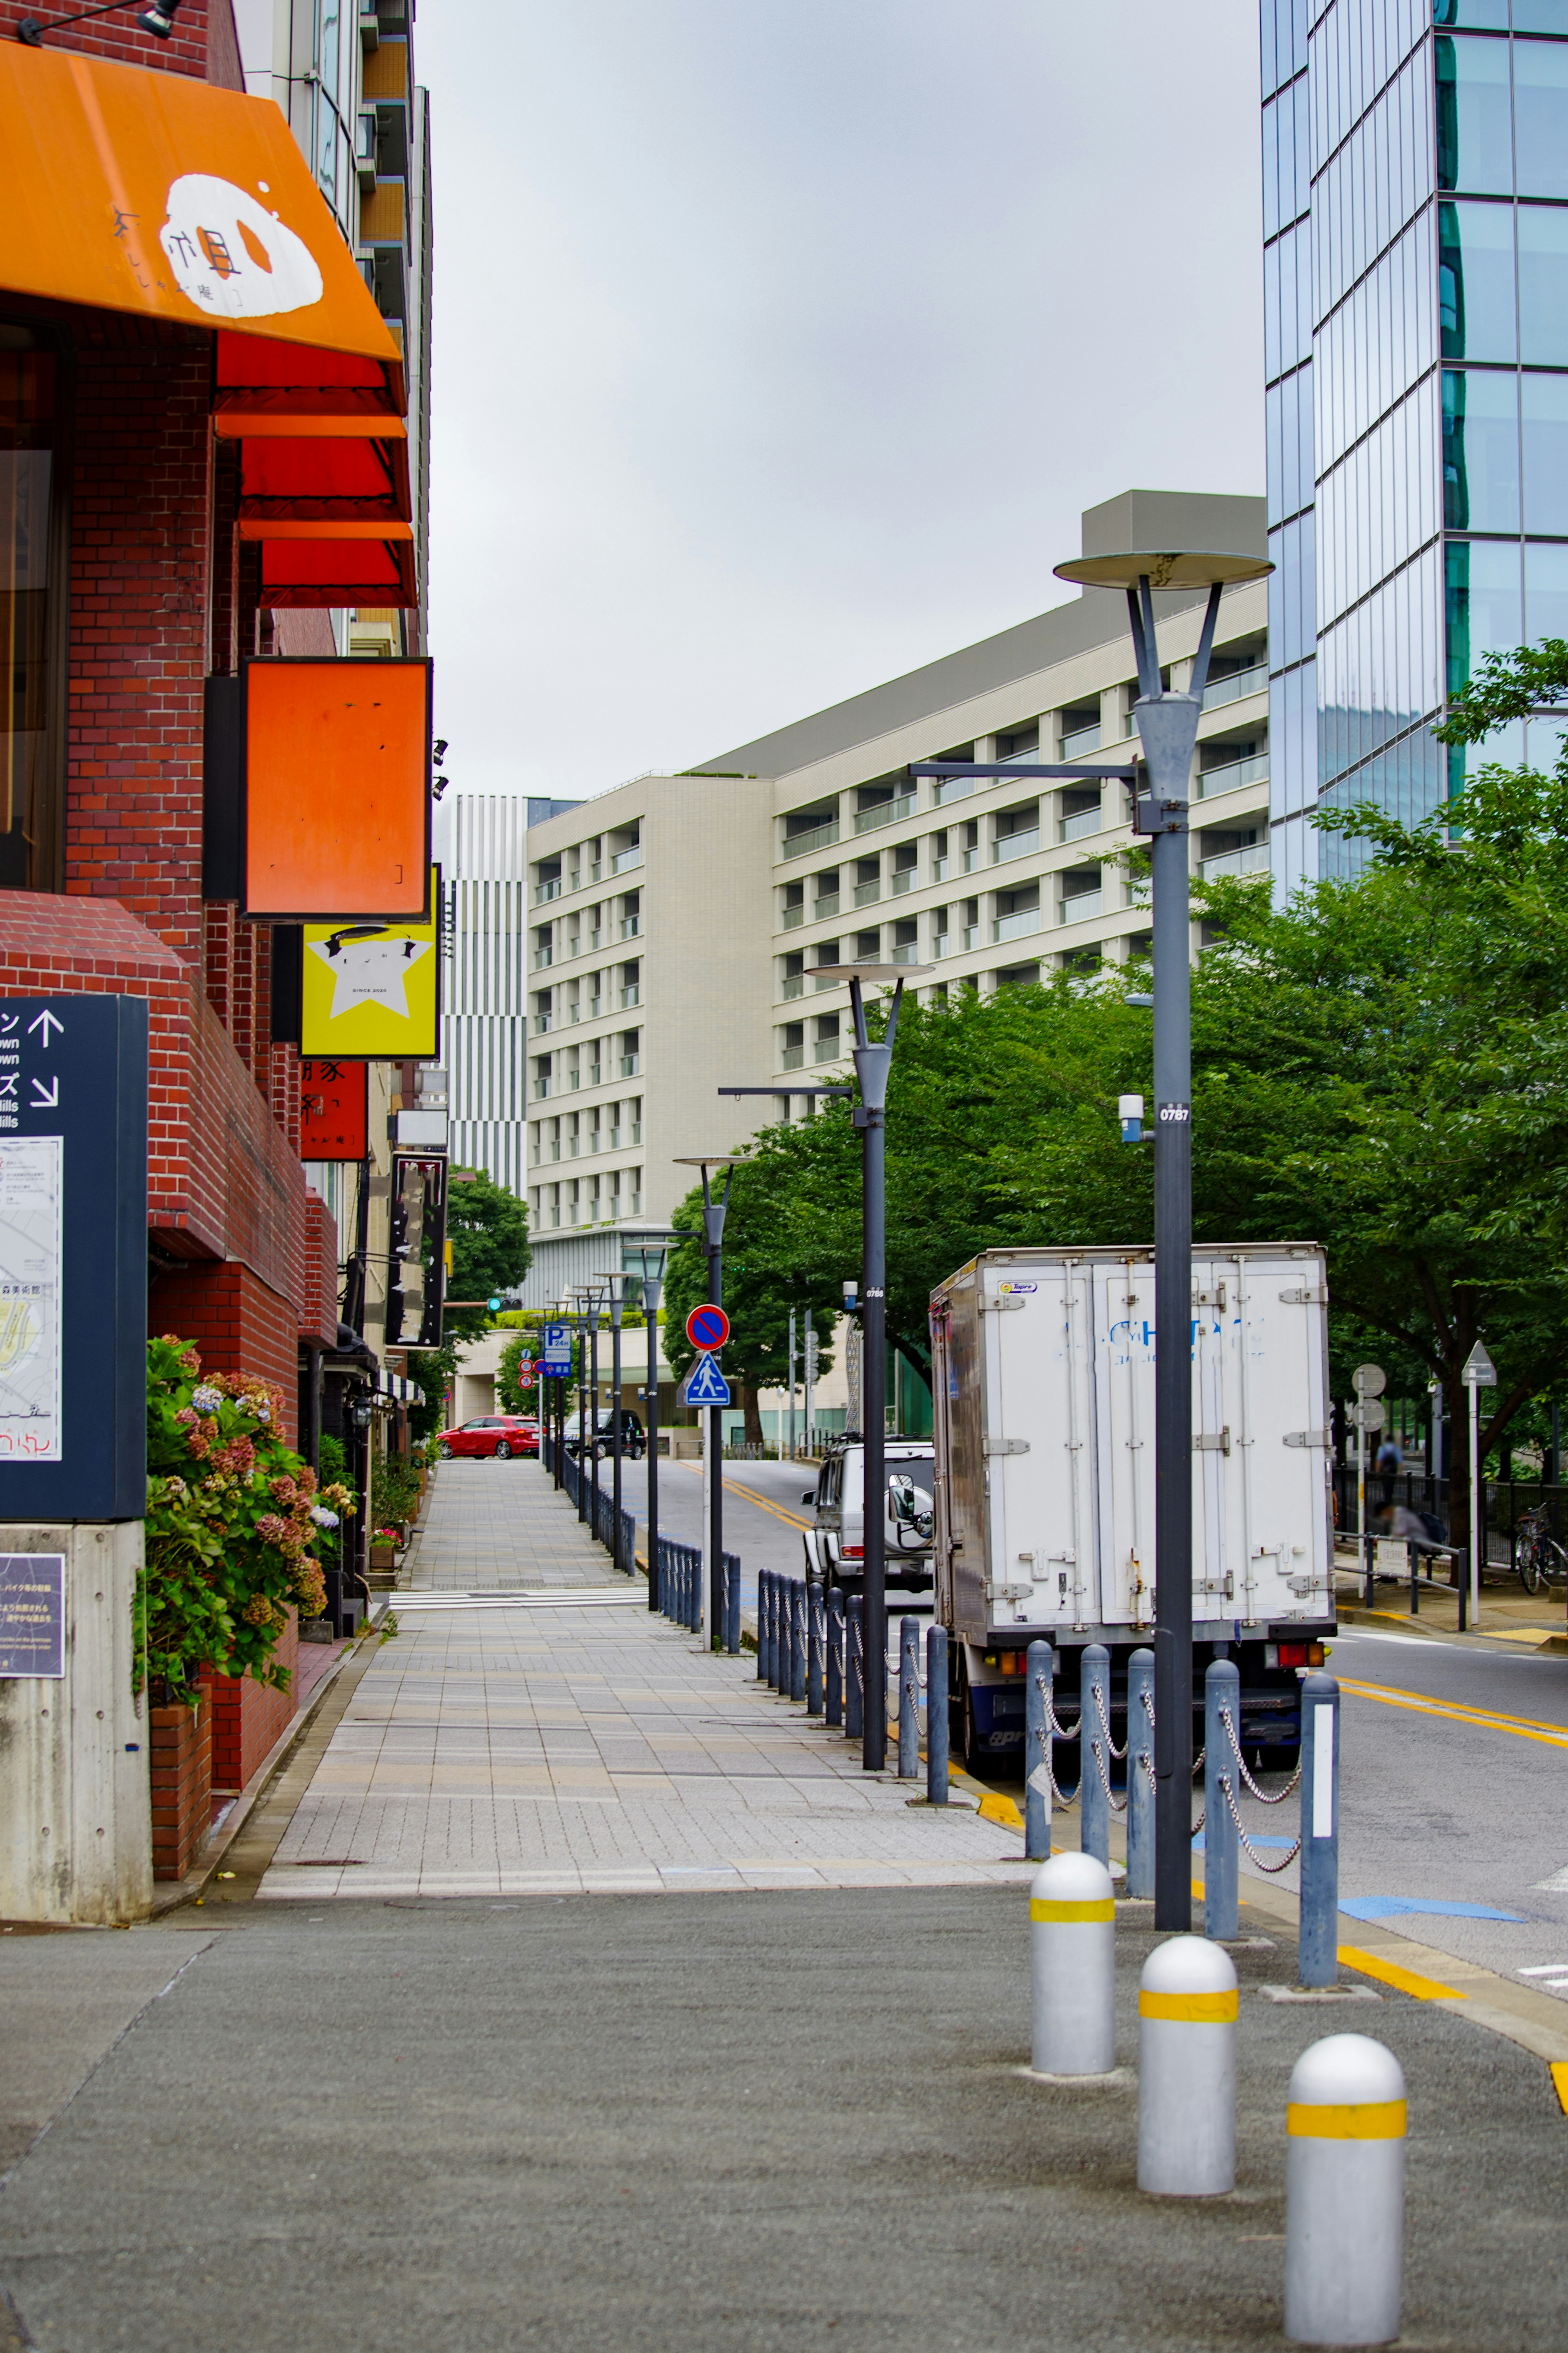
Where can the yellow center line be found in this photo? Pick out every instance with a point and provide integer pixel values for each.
(1551, 1735)
(763, 1503)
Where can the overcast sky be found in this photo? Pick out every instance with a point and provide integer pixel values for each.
(778, 343)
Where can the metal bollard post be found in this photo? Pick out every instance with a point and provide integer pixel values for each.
(1072, 1960)
(813, 1617)
(775, 1581)
(1037, 1754)
(1141, 1774)
(762, 1577)
(854, 1681)
(909, 1699)
(1344, 2193)
(1222, 1852)
(693, 1601)
(797, 1639)
(732, 1606)
(1187, 2008)
(936, 1715)
(1094, 1752)
(833, 1710)
(1318, 1951)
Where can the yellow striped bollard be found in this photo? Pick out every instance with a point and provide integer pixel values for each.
(1344, 2194)
(1186, 2070)
(1072, 1958)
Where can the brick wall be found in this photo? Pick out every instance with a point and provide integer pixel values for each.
(203, 44)
(248, 1718)
(182, 1773)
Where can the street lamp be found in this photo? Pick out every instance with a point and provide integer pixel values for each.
(564, 1314)
(592, 1295)
(713, 1216)
(873, 1061)
(1168, 731)
(621, 1290)
(647, 1259)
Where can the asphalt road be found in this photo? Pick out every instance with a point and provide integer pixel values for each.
(702, 2125)
(764, 1516)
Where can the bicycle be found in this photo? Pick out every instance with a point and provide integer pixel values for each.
(1540, 1559)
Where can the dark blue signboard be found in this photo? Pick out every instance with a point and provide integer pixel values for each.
(33, 1614)
(73, 1258)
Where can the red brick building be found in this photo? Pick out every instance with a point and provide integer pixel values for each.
(159, 521)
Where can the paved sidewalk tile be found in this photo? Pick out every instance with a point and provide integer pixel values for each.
(549, 1748)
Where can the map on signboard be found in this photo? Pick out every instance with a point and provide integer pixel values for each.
(31, 1203)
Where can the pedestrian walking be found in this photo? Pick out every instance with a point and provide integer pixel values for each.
(1390, 1462)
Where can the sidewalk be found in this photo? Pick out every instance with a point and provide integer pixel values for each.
(518, 1744)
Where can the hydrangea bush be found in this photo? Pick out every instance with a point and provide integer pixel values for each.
(234, 1520)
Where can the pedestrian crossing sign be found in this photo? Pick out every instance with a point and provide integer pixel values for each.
(705, 1384)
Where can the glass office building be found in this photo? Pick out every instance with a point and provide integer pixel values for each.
(1416, 285)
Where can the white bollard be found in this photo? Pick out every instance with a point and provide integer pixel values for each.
(1186, 2070)
(1344, 2194)
(1072, 1958)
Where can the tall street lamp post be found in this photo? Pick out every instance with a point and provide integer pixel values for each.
(621, 1289)
(648, 1263)
(713, 1214)
(592, 1295)
(873, 1061)
(1168, 730)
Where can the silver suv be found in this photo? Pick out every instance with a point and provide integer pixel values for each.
(835, 1544)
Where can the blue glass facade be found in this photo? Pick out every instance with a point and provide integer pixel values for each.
(1416, 283)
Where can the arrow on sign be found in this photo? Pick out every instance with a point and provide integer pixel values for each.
(705, 1385)
(48, 1099)
(42, 1021)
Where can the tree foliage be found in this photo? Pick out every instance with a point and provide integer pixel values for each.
(487, 1226)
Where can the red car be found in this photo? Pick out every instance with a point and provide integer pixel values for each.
(499, 1434)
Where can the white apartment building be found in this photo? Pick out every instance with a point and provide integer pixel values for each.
(649, 985)
(683, 931)
(999, 883)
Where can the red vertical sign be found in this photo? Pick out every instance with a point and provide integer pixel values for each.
(334, 1110)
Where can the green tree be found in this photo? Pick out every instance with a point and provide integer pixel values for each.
(487, 1226)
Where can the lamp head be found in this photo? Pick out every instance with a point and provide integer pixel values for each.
(1164, 568)
(159, 19)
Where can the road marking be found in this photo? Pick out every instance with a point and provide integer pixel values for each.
(750, 1495)
(1552, 1736)
(1390, 1907)
(1559, 2082)
(1372, 1964)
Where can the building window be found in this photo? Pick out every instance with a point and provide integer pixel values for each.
(634, 1182)
(791, 1045)
(631, 985)
(827, 1045)
(867, 947)
(631, 916)
(32, 553)
(574, 1201)
(555, 1205)
(555, 1139)
(546, 880)
(634, 1115)
(533, 1151)
(540, 1076)
(574, 1134)
(630, 1054)
(595, 1140)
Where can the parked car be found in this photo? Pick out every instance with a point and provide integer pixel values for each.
(601, 1435)
(836, 1541)
(501, 1435)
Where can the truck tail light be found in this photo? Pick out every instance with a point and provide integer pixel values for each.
(1293, 1654)
(853, 1552)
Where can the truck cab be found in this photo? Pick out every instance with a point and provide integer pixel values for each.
(836, 1541)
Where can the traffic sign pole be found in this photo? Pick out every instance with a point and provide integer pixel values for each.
(1479, 1373)
(1369, 1382)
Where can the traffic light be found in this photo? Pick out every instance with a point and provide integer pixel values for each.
(493, 1302)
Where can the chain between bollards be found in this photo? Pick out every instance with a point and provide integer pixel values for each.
(909, 1699)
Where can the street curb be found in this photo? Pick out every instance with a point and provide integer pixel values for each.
(172, 1893)
(1349, 1614)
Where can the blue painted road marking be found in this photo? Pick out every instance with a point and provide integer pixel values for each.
(1390, 1907)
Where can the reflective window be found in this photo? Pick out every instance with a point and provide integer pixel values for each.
(1356, 46)
(1284, 28)
(1540, 117)
(1287, 301)
(1543, 415)
(1545, 591)
(1408, 779)
(1480, 16)
(1482, 603)
(1287, 161)
(1292, 623)
(1293, 741)
(1379, 669)
(1379, 504)
(1476, 281)
(1540, 16)
(1475, 135)
(1375, 182)
(1378, 343)
(1480, 450)
(1287, 434)
(1543, 285)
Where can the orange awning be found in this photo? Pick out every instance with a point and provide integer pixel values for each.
(158, 194)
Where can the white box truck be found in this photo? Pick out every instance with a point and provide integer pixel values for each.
(1043, 1387)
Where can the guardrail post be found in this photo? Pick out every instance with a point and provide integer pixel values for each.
(1141, 1774)
(854, 1681)
(797, 1639)
(909, 1699)
(1187, 2005)
(767, 1627)
(936, 1715)
(1317, 1940)
(1222, 1858)
(814, 1629)
(1344, 2193)
(833, 1713)
(1094, 1752)
(762, 1577)
(1072, 1956)
(732, 1605)
(1037, 1752)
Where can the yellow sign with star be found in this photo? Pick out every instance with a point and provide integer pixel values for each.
(371, 991)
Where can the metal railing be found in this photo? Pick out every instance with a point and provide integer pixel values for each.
(884, 813)
(1504, 1504)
